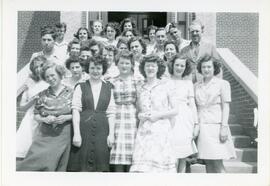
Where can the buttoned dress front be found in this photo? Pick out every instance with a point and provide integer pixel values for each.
(125, 97)
(209, 98)
(94, 102)
(153, 151)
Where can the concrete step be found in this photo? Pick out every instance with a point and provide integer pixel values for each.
(231, 167)
(241, 141)
(245, 155)
(236, 129)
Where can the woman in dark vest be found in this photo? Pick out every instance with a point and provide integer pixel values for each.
(93, 119)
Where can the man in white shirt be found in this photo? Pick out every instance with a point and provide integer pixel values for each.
(60, 44)
(161, 37)
(175, 35)
(48, 36)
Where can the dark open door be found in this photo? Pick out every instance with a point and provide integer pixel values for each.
(143, 19)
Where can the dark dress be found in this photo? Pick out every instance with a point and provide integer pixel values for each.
(50, 148)
(93, 155)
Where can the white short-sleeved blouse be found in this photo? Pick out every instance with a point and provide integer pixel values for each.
(209, 98)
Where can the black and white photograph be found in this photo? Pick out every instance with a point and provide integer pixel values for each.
(112, 94)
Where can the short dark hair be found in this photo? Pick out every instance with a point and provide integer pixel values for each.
(161, 29)
(141, 41)
(110, 48)
(188, 68)
(127, 20)
(73, 59)
(153, 58)
(33, 75)
(82, 28)
(206, 58)
(59, 69)
(151, 27)
(173, 43)
(122, 40)
(98, 60)
(93, 42)
(133, 31)
(74, 41)
(61, 25)
(84, 48)
(113, 25)
(126, 55)
(47, 29)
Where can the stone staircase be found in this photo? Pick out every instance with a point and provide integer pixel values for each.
(246, 152)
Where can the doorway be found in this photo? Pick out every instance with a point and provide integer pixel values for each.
(142, 19)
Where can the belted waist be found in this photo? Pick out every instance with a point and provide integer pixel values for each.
(125, 103)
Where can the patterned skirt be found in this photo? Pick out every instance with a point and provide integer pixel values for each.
(125, 132)
(153, 151)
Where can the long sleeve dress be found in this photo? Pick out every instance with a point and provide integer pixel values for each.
(50, 148)
(209, 98)
(153, 150)
(96, 104)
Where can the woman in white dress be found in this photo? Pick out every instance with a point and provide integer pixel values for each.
(213, 96)
(186, 126)
(33, 85)
(156, 108)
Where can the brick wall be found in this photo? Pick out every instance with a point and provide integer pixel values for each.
(239, 32)
(29, 24)
(242, 105)
(28, 39)
(209, 22)
(74, 21)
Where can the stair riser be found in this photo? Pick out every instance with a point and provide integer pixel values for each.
(245, 156)
(236, 130)
(201, 169)
(241, 142)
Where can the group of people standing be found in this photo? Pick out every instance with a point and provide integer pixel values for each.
(112, 101)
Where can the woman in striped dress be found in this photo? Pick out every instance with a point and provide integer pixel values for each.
(125, 120)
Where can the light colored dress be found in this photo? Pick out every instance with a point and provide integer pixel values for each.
(209, 98)
(153, 150)
(125, 129)
(182, 134)
(28, 126)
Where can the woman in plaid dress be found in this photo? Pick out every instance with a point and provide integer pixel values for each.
(125, 119)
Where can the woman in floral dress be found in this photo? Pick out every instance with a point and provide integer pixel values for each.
(156, 106)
